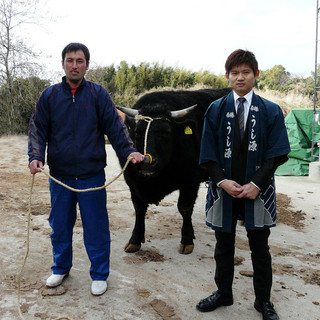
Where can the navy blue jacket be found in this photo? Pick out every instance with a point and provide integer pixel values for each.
(73, 129)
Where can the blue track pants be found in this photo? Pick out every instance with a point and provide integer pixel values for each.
(95, 223)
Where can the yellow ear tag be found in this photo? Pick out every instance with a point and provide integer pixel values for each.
(187, 130)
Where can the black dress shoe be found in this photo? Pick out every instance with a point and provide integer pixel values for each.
(214, 301)
(267, 310)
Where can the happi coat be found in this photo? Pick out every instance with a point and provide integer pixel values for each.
(267, 138)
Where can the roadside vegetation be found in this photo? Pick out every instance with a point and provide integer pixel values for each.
(126, 83)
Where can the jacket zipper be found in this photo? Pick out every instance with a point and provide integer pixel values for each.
(74, 135)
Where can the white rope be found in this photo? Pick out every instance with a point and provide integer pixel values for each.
(29, 218)
(148, 120)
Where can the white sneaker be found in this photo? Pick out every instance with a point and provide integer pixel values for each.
(98, 287)
(55, 280)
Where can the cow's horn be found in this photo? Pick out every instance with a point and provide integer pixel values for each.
(128, 111)
(182, 113)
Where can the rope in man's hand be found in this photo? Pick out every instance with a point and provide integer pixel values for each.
(89, 189)
(29, 218)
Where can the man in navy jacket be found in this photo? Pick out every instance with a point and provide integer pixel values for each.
(244, 140)
(70, 121)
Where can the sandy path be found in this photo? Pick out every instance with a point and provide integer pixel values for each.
(157, 282)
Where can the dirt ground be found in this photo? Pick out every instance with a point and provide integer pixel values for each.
(156, 283)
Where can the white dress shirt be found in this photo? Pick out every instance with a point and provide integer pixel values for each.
(246, 104)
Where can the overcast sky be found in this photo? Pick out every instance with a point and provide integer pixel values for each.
(191, 34)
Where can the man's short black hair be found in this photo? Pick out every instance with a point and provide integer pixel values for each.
(76, 46)
(239, 57)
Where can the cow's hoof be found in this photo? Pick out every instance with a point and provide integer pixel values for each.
(130, 247)
(186, 248)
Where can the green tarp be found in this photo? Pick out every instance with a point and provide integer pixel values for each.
(299, 124)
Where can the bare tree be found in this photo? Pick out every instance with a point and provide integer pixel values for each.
(17, 59)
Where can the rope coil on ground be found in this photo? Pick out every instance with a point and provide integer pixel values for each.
(28, 225)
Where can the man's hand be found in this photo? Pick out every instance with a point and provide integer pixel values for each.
(137, 157)
(232, 188)
(250, 191)
(35, 166)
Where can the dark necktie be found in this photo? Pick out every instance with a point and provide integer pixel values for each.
(240, 115)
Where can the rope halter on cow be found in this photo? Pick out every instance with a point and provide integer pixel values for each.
(139, 117)
(135, 113)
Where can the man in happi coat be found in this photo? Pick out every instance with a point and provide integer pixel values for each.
(244, 140)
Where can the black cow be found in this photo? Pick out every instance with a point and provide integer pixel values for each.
(167, 125)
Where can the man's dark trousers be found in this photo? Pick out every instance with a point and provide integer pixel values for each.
(260, 256)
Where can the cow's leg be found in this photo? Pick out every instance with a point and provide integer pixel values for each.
(138, 232)
(186, 202)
